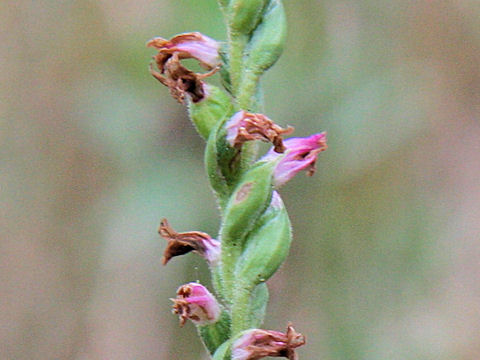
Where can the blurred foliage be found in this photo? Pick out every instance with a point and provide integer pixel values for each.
(384, 263)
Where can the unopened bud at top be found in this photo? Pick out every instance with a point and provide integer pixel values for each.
(255, 344)
(301, 154)
(244, 15)
(245, 126)
(183, 243)
(196, 303)
(180, 80)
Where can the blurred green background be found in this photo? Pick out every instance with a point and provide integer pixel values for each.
(94, 152)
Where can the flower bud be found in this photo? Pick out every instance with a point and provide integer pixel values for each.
(183, 243)
(266, 247)
(268, 39)
(213, 108)
(196, 303)
(244, 15)
(245, 126)
(255, 344)
(301, 154)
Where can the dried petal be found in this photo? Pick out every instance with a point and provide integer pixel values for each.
(183, 243)
(189, 46)
(245, 126)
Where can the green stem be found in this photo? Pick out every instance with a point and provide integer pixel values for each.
(241, 309)
(245, 90)
(217, 281)
(246, 97)
(237, 43)
(230, 253)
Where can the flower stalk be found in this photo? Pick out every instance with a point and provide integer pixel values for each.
(255, 231)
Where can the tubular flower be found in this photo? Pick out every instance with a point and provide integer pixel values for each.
(196, 303)
(301, 154)
(245, 126)
(173, 74)
(183, 243)
(257, 343)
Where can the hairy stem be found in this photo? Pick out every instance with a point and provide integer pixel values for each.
(247, 91)
(240, 309)
(237, 44)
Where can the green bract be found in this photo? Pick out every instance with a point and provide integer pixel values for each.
(215, 334)
(249, 200)
(206, 113)
(246, 204)
(221, 162)
(266, 247)
(258, 305)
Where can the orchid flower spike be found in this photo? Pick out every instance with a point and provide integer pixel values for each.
(301, 154)
(183, 243)
(177, 77)
(196, 303)
(245, 126)
(257, 343)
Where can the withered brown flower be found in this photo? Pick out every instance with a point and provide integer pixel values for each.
(245, 126)
(183, 243)
(171, 73)
(255, 344)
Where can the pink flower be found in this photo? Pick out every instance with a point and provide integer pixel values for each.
(245, 126)
(257, 343)
(301, 154)
(196, 303)
(183, 243)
